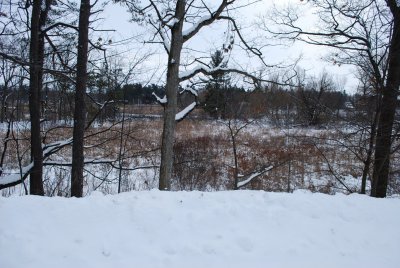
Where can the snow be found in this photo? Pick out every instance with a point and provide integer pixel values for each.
(191, 89)
(195, 229)
(165, 39)
(47, 148)
(179, 116)
(184, 75)
(10, 177)
(13, 177)
(252, 176)
(43, 6)
(189, 31)
(187, 73)
(160, 100)
(171, 23)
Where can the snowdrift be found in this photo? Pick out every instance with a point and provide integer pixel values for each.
(196, 229)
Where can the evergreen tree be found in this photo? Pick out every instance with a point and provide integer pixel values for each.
(216, 89)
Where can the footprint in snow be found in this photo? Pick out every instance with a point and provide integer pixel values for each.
(208, 249)
(170, 250)
(245, 244)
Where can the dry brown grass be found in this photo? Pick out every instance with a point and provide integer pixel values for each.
(203, 157)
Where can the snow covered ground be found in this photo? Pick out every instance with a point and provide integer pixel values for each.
(195, 229)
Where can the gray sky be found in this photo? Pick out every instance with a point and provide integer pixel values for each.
(116, 17)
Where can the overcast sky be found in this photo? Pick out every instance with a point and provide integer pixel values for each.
(116, 17)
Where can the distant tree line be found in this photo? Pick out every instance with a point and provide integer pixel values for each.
(307, 106)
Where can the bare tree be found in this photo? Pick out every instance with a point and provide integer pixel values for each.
(80, 105)
(8, 72)
(235, 126)
(390, 93)
(36, 60)
(365, 34)
(168, 24)
(174, 24)
(366, 111)
(311, 98)
(38, 28)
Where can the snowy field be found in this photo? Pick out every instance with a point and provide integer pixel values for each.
(195, 229)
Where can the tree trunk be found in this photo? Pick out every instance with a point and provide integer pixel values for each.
(235, 158)
(370, 149)
(36, 58)
(121, 140)
(380, 175)
(3, 103)
(172, 85)
(80, 106)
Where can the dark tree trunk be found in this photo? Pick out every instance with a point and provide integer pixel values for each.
(371, 145)
(168, 135)
(19, 101)
(370, 150)
(3, 111)
(36, 59)
(121, 140)
(380, 175)
(80, 106)
(235, 158)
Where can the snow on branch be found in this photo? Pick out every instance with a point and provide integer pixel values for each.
(112, 162)
(160, 100)
(191, 90)
(86, 162)
(182, 114)
(171, 23)
(205, 20)
(15, 178)
(55, 146)
(60, 24)
(165, 40)
(252, 176)
(210, 71)
(192, 29)
(191, 73)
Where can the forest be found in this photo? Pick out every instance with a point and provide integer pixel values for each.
(130, 104)
(86, 114)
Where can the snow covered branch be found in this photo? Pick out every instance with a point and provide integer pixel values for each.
(252, 176)
(206, 20)
(191, 90)
(110, 162)
(162, 101)
(210, 71)
(182, 114)
(13, 179)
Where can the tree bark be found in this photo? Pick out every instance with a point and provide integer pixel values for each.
(380, 175)
(80, 106)
(370, 149)
(172, 85)
(235, 156)
(3, 111)
(121, 140)
(36, 59)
